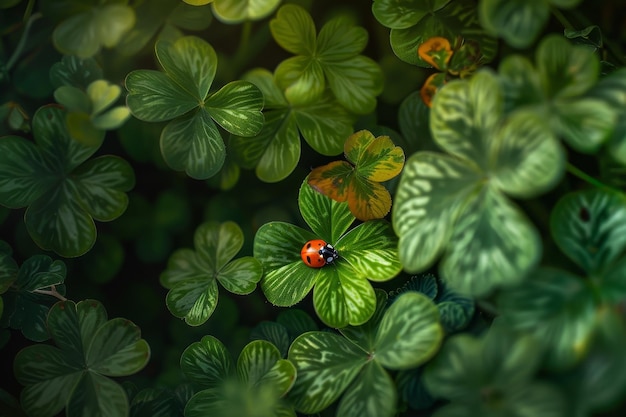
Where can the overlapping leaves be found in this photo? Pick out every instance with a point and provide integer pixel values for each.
(63, 191)
(254, 388)
(355, 364)
(519, 22)
(74, 374)
(559, 88)
(331, 57)
(561, 308)
(493, 375)
(192, 276)
(27, 293)
(191, 140)
(371, 160)
(275, 150)
(342, 292)
(88, 25)
(412, 22)
(456, 205)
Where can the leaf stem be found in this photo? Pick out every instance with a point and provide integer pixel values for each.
(589, 179)
(564, 21)
(29, 10)
(52, 291)
(22, 42)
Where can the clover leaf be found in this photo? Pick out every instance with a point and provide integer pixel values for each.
(355, 363)
(88, 111)
(88, 25)
(27, 299)
(371, 160)
(191, 141)
(559, 89)
(62, 190)
(493, 375)
(254, 388)
(281, 333)
(237, 11)
(192, 276)
(559, 307)
(275, 150)
(74, 374)
(412, 22)
(343, 294)
(74, 71)
(519, 22)
(456, 204)
(332, 57)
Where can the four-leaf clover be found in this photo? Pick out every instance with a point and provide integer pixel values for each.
(191, 141)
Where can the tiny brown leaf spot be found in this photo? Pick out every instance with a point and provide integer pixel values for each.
(584, 214)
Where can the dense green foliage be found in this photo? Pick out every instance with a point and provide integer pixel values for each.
(462, 162)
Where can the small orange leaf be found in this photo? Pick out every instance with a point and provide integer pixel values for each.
(332, 179)
(430, 87)
(436, 51)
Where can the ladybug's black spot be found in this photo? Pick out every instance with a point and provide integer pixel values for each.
(584, 214)
(308, 246)
(308, 259)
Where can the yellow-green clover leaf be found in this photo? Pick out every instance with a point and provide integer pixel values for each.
(74, 373)
(455, 205)
(64, 192)
(192, 276)
(191, 141)
(342, 293)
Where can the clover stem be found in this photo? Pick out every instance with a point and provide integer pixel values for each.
(22, 42)
(29, 10)
(53, 292)
(589, 179)
(561, 18)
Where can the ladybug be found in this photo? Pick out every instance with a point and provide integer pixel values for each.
(316, 253)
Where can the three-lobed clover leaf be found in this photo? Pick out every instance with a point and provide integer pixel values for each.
(560, 89)
(342, 293)
(281, 333)
(27, 293)
(371, 160)
(192, 276)
(412, 22)
(456, 204)
(238, 11)
(88, 25)
(355, 363)
(64, 192)
(490, 376)
(275, 150)
(74, 374)
(561, 308)
(331, 57)
(518, 22)
(255, 387)
(191, 141)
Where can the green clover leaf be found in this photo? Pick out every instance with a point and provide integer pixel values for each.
(87, 26)
(281, 333)
(191, 141)
(238, 11)
(63, 191)
(412, 22)
(456, 204)
(254, 388)
(192, 276)
(74, 71)
(519, 22)
(559, 89)
(275, 150)
(560, 308)
(73, 374)
(355, 364)
(371, 161)
(332, 57)
(342, 292)
(27, 298)
(491, 376)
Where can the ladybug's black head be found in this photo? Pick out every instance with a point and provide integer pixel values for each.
(329, 253)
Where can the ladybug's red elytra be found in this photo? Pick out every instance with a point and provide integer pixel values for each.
(316, 253)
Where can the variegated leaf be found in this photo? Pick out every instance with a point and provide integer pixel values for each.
(327, 218)
(181, 266)
(433, 189)
(193, 299)
(356, 82)
(237, 108)
(326, 364)
(256, 359)
(493, 245)
(372, 394)
(236, 11)
(207, 362)
(589, 227)
(301, 78)
(241, 275)
(282, 376)
(218, 243)
(282, 154)
(377, 159)
(343, 296)
(370, 249)
(293, 29)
